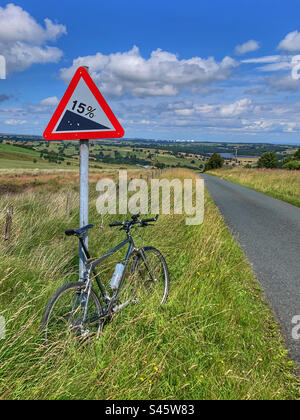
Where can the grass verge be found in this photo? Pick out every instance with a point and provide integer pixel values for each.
(280, 184)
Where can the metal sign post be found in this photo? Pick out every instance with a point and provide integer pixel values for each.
(84, 200)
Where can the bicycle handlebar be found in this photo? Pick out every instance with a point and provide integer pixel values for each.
(135, 221)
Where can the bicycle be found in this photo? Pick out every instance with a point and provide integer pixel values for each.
(76, 310)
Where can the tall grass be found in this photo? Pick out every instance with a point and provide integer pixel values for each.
(278, 183)
(215, 338)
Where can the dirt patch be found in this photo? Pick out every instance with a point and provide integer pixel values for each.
(11, 189)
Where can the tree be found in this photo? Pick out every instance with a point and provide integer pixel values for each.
(297, 155)
(214, 162)
(268, 160)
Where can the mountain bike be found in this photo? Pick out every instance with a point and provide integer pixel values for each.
(77, 310)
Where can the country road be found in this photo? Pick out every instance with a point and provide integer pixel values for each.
(268, 230)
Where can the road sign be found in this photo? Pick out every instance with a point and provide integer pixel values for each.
(83, 113)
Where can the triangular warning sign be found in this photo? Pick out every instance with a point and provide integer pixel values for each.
(83, 113)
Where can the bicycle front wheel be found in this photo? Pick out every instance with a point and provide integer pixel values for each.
(69, 314)
(148, 279)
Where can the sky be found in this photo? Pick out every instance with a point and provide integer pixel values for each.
(209, 70)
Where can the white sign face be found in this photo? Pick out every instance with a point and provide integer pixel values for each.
(83, 113)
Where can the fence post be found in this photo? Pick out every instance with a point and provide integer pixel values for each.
(69, 204)
(8, 222)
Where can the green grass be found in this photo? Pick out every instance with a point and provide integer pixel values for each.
(281, 184)
(214, 339)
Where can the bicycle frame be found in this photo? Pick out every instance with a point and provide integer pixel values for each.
(91, 263)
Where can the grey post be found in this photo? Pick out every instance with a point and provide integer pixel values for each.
(84, 198)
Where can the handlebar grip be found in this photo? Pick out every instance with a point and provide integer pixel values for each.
(153, 219)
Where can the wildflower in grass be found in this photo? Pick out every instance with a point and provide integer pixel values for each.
(142, 379)
(198, 273)
(222, 361)
(155, 368)
(260, 359)
(150, 382)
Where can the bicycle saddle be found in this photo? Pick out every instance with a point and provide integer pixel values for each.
(78, 232)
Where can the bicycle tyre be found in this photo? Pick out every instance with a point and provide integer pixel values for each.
(138, 277)
(77, 287)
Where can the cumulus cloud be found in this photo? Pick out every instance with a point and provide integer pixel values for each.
(163, 74)
(23, 41)
(248, 46)
(291, 42)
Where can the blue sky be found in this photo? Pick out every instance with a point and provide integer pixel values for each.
(204, 70)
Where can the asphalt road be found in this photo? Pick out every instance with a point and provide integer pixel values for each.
(268, 230)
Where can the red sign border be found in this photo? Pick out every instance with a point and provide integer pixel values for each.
(83, 73)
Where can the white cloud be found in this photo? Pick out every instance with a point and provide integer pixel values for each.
(263, 60)
(230, 110)
(15, 122)
(247, 47)
(51, 101)
(163, 74)
(272, 62)
(283, 83)
(242, 116)
(23, 40)
(239, 107)
(291, 42)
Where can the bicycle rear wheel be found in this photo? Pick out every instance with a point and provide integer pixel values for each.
(64, 314)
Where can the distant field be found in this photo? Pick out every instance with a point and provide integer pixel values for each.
(13, 157)
(281, 184)
(214, 339)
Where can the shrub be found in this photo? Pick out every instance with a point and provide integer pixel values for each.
(292, 165)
